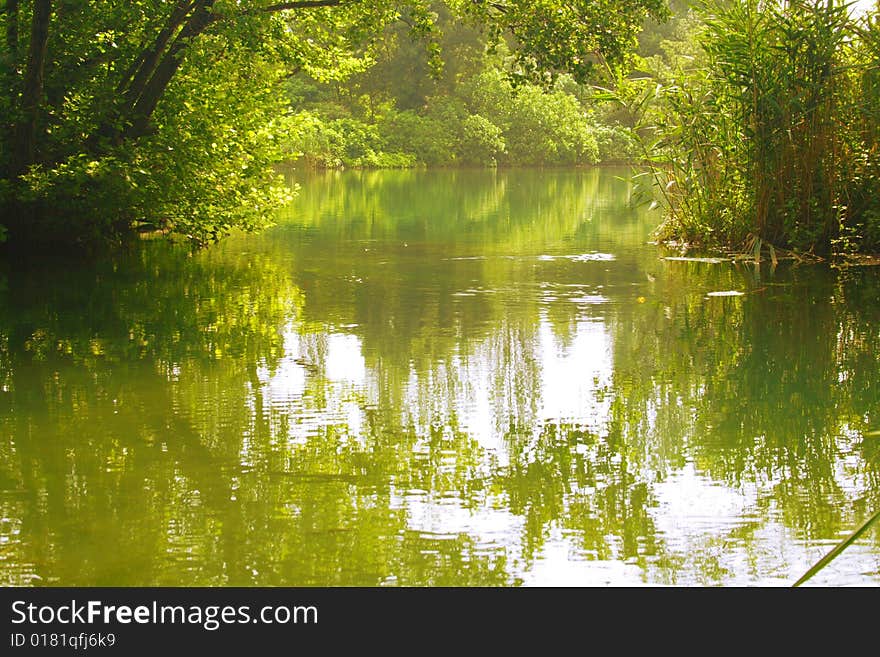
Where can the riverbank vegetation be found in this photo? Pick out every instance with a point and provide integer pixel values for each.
(762, 120)
(121, 116)
(468, 104)
(759, 119)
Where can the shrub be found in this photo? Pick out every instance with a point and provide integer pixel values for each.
(480, 142)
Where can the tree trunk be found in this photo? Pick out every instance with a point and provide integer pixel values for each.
(153, 70)
(12, 30)
(10, 76)
(164, 71)
(135, 78)
(24, 141)
(152, 56)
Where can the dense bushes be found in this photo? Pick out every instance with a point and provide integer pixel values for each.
(540, 127)
(341, 142)
(204, 169)
(481, 141)
(480, 111)
(769, 134)
(485, 121)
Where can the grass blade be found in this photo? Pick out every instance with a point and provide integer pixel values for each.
(840, 547)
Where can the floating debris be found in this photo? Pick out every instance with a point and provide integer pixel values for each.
(726, 293)
(590, 299)
(581, 257)
(710, 261)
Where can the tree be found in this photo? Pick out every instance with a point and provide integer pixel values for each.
(558, 36)
(166, 114)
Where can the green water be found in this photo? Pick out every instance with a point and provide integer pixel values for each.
(437, 378)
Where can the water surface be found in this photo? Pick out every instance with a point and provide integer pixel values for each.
(437, 378)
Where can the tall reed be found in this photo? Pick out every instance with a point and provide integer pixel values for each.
(773, 134)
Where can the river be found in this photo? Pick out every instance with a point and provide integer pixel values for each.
(437, 378)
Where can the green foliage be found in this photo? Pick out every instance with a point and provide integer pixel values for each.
(480, 107)
(482, 142)
(481, 119)
(166, 115)
(204, 169)
(615, 144)
(763, 123)
(429, 139)
(358, 139)
(170, 114)
(539, 126)
(343, 142)
(549, 129)
(553, 36)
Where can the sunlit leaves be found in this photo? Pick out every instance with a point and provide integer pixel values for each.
(553, 36)
(767, 130)
(181, 104)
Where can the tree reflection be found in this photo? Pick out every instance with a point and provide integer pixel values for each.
(429, 378)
